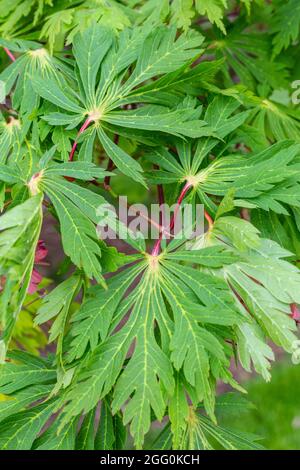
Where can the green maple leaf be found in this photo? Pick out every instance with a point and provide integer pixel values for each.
(149, 362)
(35, 61)
(139, 335)
(100, 101)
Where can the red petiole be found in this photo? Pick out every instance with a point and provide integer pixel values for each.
(81, 130)
(185, 190)
(295, 313)
(10, 54)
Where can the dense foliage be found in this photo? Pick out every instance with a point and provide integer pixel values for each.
(111, 97)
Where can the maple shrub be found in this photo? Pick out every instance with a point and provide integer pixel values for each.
(123, 343)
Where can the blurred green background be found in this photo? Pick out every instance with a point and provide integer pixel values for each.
(276, 415)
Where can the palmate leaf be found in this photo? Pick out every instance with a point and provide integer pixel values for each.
(220, 118)
(140, 335)
(149, 368)
(261, 180)
(154, 54)
(198, 300)
(35, 62)
(257, 293)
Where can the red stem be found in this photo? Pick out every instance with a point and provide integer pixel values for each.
(209, 219)
(179, 201)
(186, 188)
(295, 313)
(81, 130)
(10, 54)
(157, 246)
